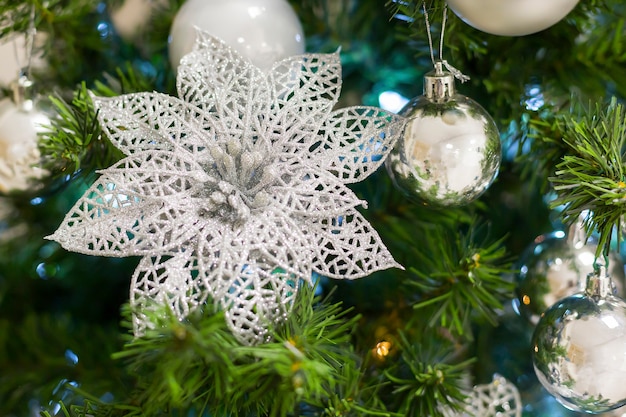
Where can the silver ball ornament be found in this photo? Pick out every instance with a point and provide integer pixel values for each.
(511, 17)
(579, 348)
(553, 267)
(449, 152)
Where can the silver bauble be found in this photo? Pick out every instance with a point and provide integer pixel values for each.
(579, 348)
(449, 152)
(555, 266)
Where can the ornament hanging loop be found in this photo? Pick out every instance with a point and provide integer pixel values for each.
(440, 63)
(22, 88)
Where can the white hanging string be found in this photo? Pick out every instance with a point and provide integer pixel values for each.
(430, 38)
(22, 87)
(29, 42)
(455, 72)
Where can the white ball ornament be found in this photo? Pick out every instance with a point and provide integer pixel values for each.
(264, 31)
(20, 123)
(511, 17)
(579, 348)
(449, 152)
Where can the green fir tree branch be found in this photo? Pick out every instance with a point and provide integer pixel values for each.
(462, 280)
(198, 365)
(591, 179)
(427, 381)
(75, 141)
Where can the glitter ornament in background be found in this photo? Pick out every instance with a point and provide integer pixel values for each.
(449, 152)
(511, 17)
(499, 398)
(264, 31)
(236, 191)
(579, 348)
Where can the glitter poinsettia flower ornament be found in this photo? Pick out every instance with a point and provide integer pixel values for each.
(235, 191)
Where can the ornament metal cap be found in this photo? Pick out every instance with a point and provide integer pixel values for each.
(23, 93)
(439, 84)
(599, 284)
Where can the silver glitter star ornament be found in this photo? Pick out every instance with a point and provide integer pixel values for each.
(235, 191)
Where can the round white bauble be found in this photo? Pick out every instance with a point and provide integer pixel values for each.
(19, 153)
(449, 151)
(264, 31)
(579, 348)
(511, 17)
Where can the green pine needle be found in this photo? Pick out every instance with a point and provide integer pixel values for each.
(591, 179)
(198, 365)
(75, 141)
(464, 277)
(427, 381)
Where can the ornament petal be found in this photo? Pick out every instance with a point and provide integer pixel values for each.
(153, 121)
(253, 273)
(165, 279)
(305, 90)
(260, 299)
(358, 139)
(276, 243)
(218, 81)
(139, 205)
(313, 192)
(347, 247)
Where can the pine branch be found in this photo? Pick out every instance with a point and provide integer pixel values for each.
(461, 279)
(591, 178)
(75, 141)
(303, 364)
(358, 396)
(426, 382)
(198, 365)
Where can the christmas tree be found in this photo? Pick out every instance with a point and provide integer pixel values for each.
(312, 208)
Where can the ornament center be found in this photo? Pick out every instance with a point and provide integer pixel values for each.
(240, 181)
